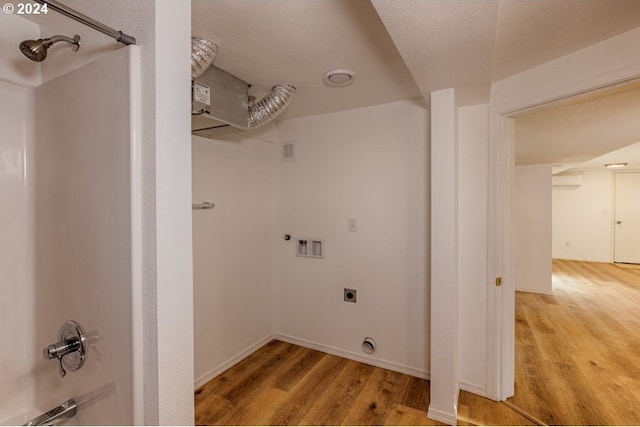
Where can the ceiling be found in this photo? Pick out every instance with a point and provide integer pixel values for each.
(583, 132)
(405, 49)
(400, 49)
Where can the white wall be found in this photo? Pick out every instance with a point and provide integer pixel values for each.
(232, 250)
(533, 228)
(370, 164)
(583, 217)
(17, 246)
(444, 387)
(473, 183)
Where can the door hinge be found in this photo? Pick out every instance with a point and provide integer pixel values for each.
(498, 281)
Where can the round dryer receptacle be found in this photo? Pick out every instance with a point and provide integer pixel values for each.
(368, 345)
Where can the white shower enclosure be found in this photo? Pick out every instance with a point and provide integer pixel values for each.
(69, 239)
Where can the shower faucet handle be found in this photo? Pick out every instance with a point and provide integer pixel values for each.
(59, 350)
(70, 350)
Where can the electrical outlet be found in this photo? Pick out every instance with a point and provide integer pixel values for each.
(350, 295)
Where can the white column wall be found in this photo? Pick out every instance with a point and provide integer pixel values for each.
(174, 261)
(473, 142)
(533, 228)
(444, 257)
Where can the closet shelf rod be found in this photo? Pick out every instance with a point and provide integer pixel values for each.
(203, 205)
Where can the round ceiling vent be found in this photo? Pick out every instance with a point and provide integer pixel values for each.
(339, 77)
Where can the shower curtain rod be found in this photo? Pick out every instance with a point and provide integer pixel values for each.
(89, 22)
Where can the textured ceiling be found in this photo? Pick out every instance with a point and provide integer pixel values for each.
(267, 42)
(530, 33)
(583, 128)
(404, 49)
(445, 43)
(398, 49)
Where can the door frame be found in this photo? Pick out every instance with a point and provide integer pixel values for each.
(500, 338)
(614, 201)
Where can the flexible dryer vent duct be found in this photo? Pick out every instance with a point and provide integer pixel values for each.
(271, 106)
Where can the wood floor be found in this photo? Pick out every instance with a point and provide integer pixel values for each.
(284, 384)
(578, 351)
(577, 363)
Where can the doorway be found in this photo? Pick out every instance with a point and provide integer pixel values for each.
(627, 218)
(509, 101)
(583, 225)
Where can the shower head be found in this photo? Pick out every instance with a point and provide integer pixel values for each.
(36, 50)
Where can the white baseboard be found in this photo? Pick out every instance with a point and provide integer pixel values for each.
(442, 416)
(392, 366)
(473, 388)
(231, 361)
(533, 291)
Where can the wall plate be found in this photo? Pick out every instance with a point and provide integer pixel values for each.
(350, 295)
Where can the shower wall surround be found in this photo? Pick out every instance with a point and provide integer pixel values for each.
(67, 169)
(17, 249)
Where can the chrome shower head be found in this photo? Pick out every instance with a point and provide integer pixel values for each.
(36, 50)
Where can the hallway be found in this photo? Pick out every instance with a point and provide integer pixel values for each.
(578, 351)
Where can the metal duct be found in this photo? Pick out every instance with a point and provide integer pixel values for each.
(203, 52)
(220, 104)
(271, 106)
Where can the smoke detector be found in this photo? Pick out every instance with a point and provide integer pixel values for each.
(339, 77)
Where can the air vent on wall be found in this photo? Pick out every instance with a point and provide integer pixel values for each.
(566, 180)
(287, 152)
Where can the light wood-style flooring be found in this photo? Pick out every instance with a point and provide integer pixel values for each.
(578, 351)
(284, 384)
(577, 363)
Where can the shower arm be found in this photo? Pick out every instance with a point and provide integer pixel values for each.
(89, 22)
